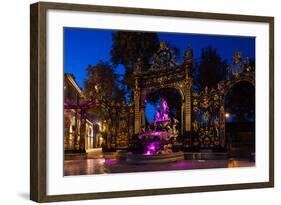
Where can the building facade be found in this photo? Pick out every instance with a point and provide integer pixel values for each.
(81, 133)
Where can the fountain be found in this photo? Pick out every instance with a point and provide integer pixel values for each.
(157, 141)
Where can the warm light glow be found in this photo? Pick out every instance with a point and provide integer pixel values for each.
(98, 123)
(227, 115)
(97, 88)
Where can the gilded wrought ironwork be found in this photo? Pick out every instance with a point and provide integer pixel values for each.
(164, 72)
(203, 114)
(164, 59)
(208, 113)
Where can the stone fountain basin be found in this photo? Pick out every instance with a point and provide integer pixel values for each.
(154, 159)
(153, 134)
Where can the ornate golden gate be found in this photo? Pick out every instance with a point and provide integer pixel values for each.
(208, 111)
(202, 113)
(164, 72)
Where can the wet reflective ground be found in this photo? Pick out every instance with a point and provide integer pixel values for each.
(104, 166)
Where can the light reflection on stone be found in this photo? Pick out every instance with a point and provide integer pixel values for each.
(105, 166)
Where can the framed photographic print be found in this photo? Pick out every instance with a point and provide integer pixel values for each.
(135, 102)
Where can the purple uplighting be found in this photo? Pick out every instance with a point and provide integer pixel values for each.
(162, 113)
(110, 161)
(159, 134)
(183, 164)
(152, 148)
(157, 140)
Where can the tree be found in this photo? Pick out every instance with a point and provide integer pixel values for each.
(240, 101)
(101, 86)
(127, 47)
(210, 70)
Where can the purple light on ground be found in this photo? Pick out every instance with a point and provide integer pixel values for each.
(183, 164)
(110, 161)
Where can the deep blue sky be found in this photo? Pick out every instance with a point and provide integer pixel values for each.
(83, 47)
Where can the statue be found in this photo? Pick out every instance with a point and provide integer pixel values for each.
(161, 134)
(237, 57)
(165, 110)
(237, 66)
(188, 56)
(138, 66)
(157, 116)
(162, 113)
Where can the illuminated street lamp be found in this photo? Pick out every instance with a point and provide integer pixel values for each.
(227, 115)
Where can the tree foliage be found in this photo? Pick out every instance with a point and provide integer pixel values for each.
(240, 101)
(101, 86)
(127, 47)
(210, 69)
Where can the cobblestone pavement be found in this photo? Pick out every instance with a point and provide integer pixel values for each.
(104, 164)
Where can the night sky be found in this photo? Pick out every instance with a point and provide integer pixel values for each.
(83, 47)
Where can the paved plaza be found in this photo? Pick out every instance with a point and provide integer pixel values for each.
(98, 163)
